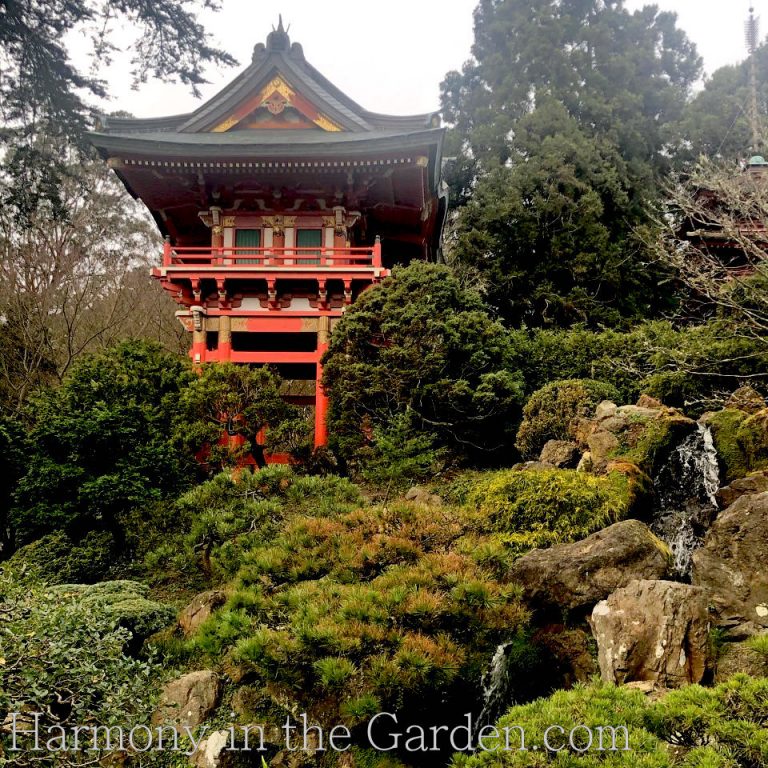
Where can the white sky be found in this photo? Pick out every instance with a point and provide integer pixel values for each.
(389, 56)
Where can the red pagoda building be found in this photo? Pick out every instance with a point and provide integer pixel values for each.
(281, 201)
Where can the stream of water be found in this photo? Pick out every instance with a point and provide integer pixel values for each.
(685, 489)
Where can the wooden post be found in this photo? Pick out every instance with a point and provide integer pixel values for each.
(225, 338)
(321, 401)
(167, 256)
(377, 260)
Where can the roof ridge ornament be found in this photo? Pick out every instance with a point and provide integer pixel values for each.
(278, 39)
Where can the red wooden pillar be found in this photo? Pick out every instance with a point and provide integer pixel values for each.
(321, 401)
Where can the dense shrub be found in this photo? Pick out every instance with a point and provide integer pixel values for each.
(692, 368)
(125, 604)
(694, 727)
(64, 657)
(57, 559)
(550, 412)
(346, 614)
(420, 345)
(208, 529)
(100, 444)
(538, 508)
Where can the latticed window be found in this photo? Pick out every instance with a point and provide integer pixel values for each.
(248, 238)
(309, 238)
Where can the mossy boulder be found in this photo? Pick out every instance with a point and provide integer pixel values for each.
(741, 441)
(540, 507)
(552, 411)
(574, 577)
(639, 435)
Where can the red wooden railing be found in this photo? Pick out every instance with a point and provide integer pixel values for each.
(295, 257)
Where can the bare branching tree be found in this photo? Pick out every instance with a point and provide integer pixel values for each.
(714, 233)
(76, 279)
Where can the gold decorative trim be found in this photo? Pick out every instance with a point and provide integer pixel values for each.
(226, 125)
(325, 122)
(228, 221)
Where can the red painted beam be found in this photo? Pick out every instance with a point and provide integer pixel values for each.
(267, 358)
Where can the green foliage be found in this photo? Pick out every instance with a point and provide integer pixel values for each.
(539, 508)
(100, 443)
(64, 657)
(12, 455)
(551, 236)
(715, 123)
(551, 412)
(622, 75)
(349, 613)
(563, 113)
(692, 368)
(209, 528)
(222, 411)
(694, 727)
(44, 94)
(400, 454)
(56, 559)
(420, 345)
(125, 604)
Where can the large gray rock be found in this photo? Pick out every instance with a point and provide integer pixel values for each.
(188, 700)
(562, 454)
(200, 610)
(654, 631)
(732, 565)
(752, 484)
(573, 577)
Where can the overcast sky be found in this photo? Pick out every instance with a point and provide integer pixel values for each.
(390, 56)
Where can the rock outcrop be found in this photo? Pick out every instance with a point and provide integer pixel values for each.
(421, 495)
(654, 631)
(574, 577)
(754, 483)
(731, 564)
(200, 610)
(640, 434)
(188, 700)
(562, 454)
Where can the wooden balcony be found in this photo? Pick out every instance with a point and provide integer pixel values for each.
(267, 259)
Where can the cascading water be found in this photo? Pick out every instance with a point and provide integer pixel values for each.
(685, 490)
(497, 687)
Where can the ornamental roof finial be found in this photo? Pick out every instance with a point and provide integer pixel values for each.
(278, 39)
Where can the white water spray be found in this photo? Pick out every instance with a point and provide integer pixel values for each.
(685, 487)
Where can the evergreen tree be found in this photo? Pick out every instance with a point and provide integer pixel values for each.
(561, 115)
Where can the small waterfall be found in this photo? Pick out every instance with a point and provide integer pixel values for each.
(497, 688)
(685, 489)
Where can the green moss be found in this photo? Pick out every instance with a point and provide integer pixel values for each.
(648, 441)
(725, 426)
(753, 439)
(741, 441)
(537, 508)
(551, 412)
